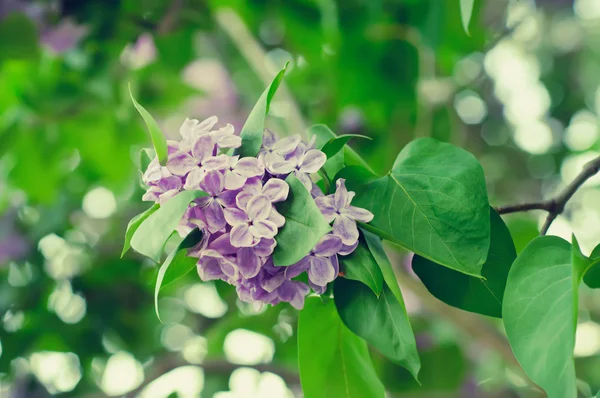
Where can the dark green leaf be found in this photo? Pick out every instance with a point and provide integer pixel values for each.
(355, 176)
(361, 266)
(134, 224)
(382, 321)
(335, 163)
(333, 362)
(177, 264)
(304, 225)
(540, 312)
(18, 37)
(334, 145)
(158, 138)
(153, 233)
(252, 131)
(376, 247)
(483, 296)
(434, 203)
(466, 11)
(592, 276)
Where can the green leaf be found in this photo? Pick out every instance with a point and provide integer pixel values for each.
(377, 251)
(592, 276)
(134, 224)
(540, 312)
(483, 296)
(304, 225)
(382, 321)
(347, 157)
(158, 138)
(177, 264)
(334, 145)
(18, 38)
(153, 233)
(252, 131)
(362, 267)
(355, 176)
(333, 362)
(466, 11)
(146, 156)
(434, 203)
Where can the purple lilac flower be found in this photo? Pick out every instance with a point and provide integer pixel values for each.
(337, 208)
(238, 216)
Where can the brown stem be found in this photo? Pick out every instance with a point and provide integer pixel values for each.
(556, 205)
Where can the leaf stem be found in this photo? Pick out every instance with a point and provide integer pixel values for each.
(556, 205)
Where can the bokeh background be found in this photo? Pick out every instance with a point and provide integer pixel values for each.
(521, 92)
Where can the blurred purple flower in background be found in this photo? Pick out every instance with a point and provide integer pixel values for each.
(238, 217)
(139, 54)
(13, 246)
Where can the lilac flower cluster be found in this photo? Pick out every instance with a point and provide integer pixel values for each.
(238, 217)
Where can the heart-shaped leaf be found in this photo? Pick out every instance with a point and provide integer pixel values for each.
(483, 296)
(152, 234)
(252, 131)
(434, 203)
(540, 312)
(158, 138)
(177, 264)
(332, 361)
(134, 224)
(304, 225)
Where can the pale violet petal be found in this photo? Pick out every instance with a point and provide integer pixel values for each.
(276, 189)
(233, 180)
(286, 145)
(213, 182)
(263, 229)
(241, 236)
(358, 213)
(346, 229)
(248, 262)
(312, 161)
(328, 246)
(259, 208)
(235, 216)
(321, 271)
(220, 162)
(248, 167)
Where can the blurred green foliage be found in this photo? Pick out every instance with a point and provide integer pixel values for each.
(388, 69)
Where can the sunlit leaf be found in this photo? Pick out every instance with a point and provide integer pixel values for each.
(333, 362)
(252, 131)
(134, 224)
(158, 138)
(177, 264)
(434, 203)
(483, 296)
(540, 312)
(304, 225)
(382, 321)
(466, 11)
(153, 233)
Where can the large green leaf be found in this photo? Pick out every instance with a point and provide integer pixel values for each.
(382, 321)
(153, 233)
(434, 203)
(466, 11)
(252, 131)
(592, 276)
(304, 225)
(158, 138)
(177, 264)
(134, 224)
(362, 267)
(333, 362)
(483, 296)
(540, 312)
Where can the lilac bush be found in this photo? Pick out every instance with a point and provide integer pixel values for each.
(239, 219)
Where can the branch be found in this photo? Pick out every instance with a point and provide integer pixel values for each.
(556, 205)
